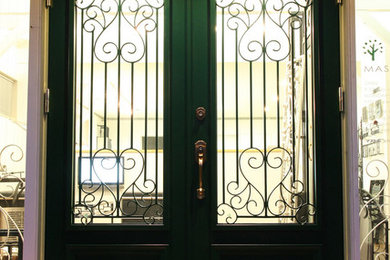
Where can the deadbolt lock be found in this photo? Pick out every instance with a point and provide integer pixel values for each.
(200, 113)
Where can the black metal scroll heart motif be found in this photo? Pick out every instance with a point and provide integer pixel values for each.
(117, 30)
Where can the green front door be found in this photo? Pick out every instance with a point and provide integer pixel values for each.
(194, 130)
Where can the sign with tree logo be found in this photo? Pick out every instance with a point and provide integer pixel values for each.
(372, 47)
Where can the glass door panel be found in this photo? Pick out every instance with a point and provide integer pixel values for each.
(118, 108)
(373, 95)
(14, 48)
(265, 91)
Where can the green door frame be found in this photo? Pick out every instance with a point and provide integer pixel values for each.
(191, 231)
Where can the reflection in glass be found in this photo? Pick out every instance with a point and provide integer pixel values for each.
(265, 112)
(373, 85)
(14, 47)
(118, 127)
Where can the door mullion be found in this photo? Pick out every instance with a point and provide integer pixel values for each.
(199, 96)
(176, 127)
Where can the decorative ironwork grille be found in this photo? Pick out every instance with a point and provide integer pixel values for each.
(12, 187)
(374, 216)
(118, 105)
(265, 88)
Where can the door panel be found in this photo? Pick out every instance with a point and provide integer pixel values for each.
(118, 127)
(265, 94)
(291, 252)
(189, 227)
(64, 239)
(115, 252)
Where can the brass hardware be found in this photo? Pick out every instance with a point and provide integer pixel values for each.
(341, 99)
(200, 158)
(46, 102)
(200, 113)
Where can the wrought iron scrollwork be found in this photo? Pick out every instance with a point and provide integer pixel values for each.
(136, 200)
(267, 32)
(116, 31)
(12, 180)
(137, 19)
(373, 213)
(254, 20)
(284, 196)
(10, 158)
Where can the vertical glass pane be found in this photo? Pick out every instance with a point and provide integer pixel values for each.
(265, 112)
(14, 46)
(373, 115)
(118, 112)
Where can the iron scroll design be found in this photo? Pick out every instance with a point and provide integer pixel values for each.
(11, 157)
(266, 32)
(13, 183)
(130, 194)
(136, 17)
(137, 200)
(250, 18)
(245, 195)
(373, 211)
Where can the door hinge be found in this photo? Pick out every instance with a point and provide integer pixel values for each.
(341, 99)
(46, 102)
(339, 2)
(49, 3)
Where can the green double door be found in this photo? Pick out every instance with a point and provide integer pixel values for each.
(194, 130)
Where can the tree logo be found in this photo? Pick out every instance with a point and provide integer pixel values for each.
(372, 47)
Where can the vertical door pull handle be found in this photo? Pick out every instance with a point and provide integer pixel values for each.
(200, 158)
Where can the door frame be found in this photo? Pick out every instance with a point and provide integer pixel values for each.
(34, 231)
(349, 131)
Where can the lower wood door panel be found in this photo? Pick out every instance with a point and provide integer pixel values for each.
(117, 252)
(266, 252)
(218, 252)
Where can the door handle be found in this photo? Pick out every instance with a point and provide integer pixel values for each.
(200, 158)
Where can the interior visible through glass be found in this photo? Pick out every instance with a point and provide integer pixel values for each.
(14, 47)
(373, 116)
(265, 89)
(118, 112)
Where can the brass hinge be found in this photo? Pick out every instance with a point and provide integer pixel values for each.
(49, 3)
(341, 99)
(46, 102)
(339, 2)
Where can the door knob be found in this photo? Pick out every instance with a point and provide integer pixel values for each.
(200, 158)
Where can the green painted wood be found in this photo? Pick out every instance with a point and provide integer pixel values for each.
(57, 132)
(269, 251)
(329, 161)
(199, 96)
(116, 252)
(176, 165)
